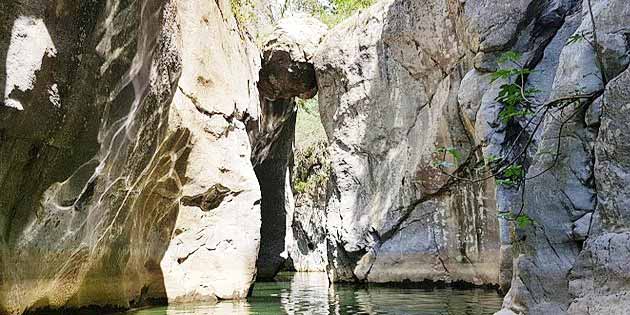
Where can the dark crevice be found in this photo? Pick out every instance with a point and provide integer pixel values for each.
(209, 200)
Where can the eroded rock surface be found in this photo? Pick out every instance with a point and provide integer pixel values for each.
(388, 86)
(125, 169)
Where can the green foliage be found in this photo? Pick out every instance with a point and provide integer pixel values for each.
(511, 175)
(522, 220)
(511, 111)
(331, 15)
(345, 8)
(311, 171)
(444, 151)
(243, 11)
(508, 73)
(514, 100)
(308, 127)
(511, 94)
(300, 186)
(509, 56)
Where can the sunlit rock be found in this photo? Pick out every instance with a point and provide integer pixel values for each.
(388, 84)
(126, 177)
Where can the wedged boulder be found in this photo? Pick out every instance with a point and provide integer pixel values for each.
(287, 70)
(388, 84)
(112, 192)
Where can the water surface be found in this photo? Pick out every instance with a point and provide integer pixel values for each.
(309, 294)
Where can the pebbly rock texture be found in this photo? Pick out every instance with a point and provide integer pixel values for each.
(113, 193)
(388, 89)
(287, 72)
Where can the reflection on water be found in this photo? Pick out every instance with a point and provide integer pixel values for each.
(309, 293)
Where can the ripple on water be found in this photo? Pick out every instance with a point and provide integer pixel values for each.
(309, 294)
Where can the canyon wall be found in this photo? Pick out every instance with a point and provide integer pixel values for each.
(403, 82)
(125, 164)
(388, 90)
(142, 161)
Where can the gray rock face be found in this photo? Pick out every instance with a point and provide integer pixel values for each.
(287, 72)
(125, 174)
(388, 89)
(564, 196)
(389, 100)
(600, 280)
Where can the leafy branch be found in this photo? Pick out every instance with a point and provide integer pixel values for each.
(518, 103)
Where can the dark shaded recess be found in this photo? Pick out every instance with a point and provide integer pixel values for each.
(283, 78)
(271, 174)
(209, 200)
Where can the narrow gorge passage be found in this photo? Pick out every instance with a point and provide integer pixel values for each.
(286, 74)
(400, 157)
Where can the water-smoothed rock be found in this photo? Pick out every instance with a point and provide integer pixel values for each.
(126, 174)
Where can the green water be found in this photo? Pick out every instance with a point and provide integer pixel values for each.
(309, 294)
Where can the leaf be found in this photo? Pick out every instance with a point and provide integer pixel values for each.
(454, 153)
(510, 94)
(523, 221)
(502, 74)
(511, 175)
(514, 171)
(508, 56)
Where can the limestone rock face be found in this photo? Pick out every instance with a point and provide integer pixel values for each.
(396, 89)
(214, 247)
(600, 280)
(287, 72)
(563, 253)
(388, 89)
(125, 164)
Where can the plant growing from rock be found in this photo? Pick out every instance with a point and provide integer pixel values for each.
(519, 107)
